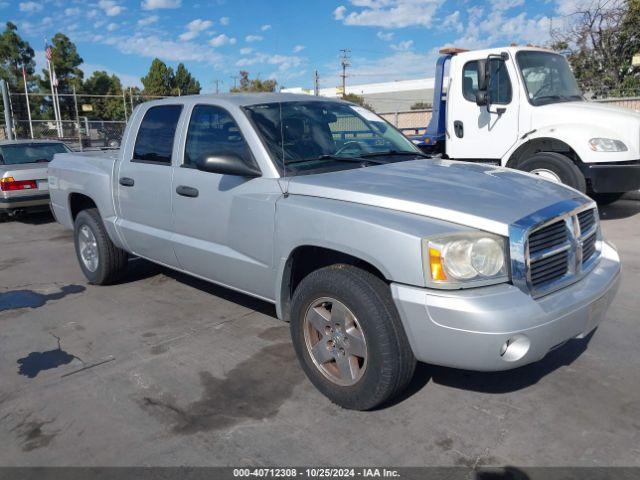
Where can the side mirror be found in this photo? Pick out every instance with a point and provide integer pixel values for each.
(229, 164)
(483, 75)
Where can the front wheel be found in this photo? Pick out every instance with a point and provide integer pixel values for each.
(349, 338)
(100, 260)
(555, 167)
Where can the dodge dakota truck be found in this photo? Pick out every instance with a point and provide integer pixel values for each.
(376, 255)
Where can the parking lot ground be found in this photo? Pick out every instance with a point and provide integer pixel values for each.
(163, 370)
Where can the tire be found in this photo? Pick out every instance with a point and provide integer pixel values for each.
(559, 165)
(606, 198)
(111, 261)
(389, 363)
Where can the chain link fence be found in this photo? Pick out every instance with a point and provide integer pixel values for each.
(84, 125)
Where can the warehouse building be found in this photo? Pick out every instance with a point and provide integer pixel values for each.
(383, 97)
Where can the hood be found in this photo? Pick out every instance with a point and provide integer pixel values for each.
(475, 195)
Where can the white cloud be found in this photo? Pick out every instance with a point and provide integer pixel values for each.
(224, 21)
(506, 4)
(70, 12)
(253, 38)
(222, 40)
(112, 27)
(452, 21)
(264, 28)
(298, 48)
(283, 63)
(30, 7)
(386, 36)
(194, 28)
(389, 13)
(338, 13)
(156, 4)
(110, 8)
(246, 51)
(143, 22)
(402, 46)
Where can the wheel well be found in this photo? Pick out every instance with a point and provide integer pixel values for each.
(79, 202)
(537, 145)
(306, 259)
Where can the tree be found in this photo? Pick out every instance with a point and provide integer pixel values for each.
(353, 98)
(66, 62)
(159, 80)
(421, 106)
(101, 83)
(247, 84)
(184, 83)
(600, 40)
(14, 54)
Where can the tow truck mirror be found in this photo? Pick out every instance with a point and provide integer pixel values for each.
(482, 98)
(229, 164)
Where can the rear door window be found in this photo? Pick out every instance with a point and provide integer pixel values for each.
(154, 143)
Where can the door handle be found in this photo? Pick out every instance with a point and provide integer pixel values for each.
(458, 128)
(187, 191)
(127, 182)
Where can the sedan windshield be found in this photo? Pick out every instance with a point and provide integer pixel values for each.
(548, 78)
(315, 136)
(30, 152)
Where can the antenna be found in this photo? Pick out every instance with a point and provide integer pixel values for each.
(344, 61)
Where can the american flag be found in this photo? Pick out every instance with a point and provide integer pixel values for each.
(48, 52)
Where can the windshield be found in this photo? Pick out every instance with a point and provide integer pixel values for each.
(30, 152)
(548, 78)
(314, 136)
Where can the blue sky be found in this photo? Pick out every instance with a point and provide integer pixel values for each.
(285, 40)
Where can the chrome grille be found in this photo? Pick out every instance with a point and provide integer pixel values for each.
(560, 250)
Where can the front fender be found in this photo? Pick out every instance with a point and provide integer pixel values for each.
(388, 240)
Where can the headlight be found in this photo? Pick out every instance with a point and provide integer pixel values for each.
(465, 260)
(607, 145)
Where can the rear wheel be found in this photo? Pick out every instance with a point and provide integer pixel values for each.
(555, 167)
(349, 338)
(100, 260)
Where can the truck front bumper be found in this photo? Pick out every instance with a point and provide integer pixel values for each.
(23, 202)
(500, 327)
(613, 177)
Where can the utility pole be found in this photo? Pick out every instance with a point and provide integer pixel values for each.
(316, 83)
(235, 81)
(218, 82)
(344, 61)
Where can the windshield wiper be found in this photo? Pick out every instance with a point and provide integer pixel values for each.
(337, 159)
(394, 153)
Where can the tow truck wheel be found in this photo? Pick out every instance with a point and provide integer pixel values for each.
(349, 338)
(100, 260)
(555, 167)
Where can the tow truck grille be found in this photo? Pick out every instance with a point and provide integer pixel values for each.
(559, 250)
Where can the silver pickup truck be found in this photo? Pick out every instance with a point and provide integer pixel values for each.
(376, 255)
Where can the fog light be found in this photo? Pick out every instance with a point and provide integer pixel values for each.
(515, 348)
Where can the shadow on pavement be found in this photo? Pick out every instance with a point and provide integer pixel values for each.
(626, 207)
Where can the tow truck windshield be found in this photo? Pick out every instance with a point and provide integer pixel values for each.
(547, 78)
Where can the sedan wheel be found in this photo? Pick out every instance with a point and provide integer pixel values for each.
(335, 341)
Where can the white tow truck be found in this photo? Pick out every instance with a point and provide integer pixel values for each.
(521, 107)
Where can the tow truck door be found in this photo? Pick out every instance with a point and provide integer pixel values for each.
(476, 132)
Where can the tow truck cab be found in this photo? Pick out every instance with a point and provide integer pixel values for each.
(521, 107)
